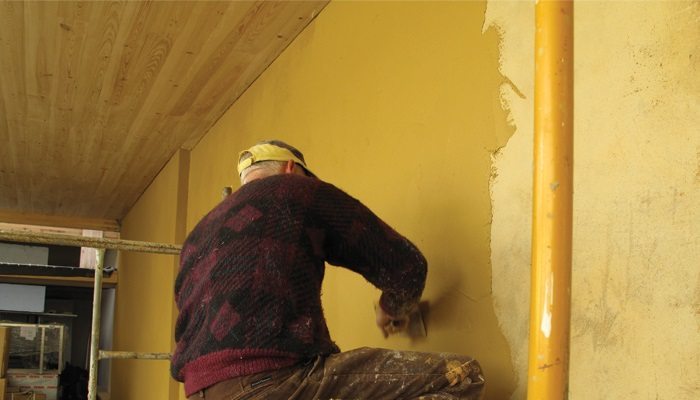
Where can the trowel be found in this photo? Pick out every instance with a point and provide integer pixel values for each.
(415, 327)
(416, 324)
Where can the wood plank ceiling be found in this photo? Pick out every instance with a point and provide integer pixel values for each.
(95, 97)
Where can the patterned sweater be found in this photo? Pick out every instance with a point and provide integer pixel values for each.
(249, 286)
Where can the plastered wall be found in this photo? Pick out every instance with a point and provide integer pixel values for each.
(145, 310)
(636, 260)
(397, 103)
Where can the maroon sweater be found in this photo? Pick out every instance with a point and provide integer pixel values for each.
(249, 286)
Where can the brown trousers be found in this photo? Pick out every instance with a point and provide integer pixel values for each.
(362, 374)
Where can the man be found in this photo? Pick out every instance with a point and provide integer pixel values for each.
(251, 323)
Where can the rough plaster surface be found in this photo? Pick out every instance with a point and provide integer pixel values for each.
(636, 263)
(511, 182)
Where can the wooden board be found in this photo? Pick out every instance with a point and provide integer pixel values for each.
(78, 223)
(107, 282)
(95, 97)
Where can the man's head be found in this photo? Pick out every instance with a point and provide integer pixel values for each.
(270, 157)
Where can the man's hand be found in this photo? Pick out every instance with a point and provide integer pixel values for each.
(389, 324)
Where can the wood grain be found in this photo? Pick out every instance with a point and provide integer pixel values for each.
(79, 223)
(95, 97)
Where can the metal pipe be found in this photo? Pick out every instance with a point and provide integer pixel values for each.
(133, 355)
(60, 349)
(83, 241)
(550, 304)
(95, 331)
(42, 350)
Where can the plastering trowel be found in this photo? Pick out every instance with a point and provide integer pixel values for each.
(416, 324)
(415, 327)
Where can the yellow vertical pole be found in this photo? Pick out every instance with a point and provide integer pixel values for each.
(550, 302)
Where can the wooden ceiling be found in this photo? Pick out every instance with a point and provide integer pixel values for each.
(95, 97)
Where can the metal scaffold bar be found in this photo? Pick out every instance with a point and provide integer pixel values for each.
(100, 244)
(133, 355)
(82, 241)
(95, 331)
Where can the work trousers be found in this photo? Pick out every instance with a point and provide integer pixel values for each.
(362, 374)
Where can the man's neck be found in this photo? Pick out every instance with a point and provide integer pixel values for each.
(258, 174)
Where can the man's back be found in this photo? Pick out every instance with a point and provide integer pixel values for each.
(249, 285)
(251, 272)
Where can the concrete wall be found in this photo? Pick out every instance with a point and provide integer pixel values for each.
(145, 309)
(636, 261)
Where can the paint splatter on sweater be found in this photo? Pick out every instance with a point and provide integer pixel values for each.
(249, 286)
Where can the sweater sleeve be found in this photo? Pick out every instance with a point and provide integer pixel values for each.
(357, 239)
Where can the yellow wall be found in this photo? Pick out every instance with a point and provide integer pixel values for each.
(145, 311)
(636, 268)
(398, 103)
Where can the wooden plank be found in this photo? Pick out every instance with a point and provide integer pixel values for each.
(132, 355)
(263, 38)
(93, 242)
(13, 217)
(95, 97)
(12, 65)
(78, 281)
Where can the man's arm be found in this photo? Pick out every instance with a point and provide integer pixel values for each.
(357, 239)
